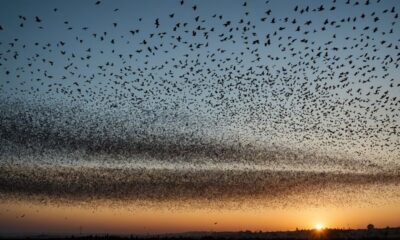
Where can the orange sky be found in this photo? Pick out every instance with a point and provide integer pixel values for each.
(160, 217)
(347, 206)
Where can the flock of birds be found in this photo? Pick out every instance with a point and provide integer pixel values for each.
(307, 87)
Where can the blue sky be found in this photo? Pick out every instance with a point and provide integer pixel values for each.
(272, 95)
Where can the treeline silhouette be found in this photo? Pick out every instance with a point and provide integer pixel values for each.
(336, 234)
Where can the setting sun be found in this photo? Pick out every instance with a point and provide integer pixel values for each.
(319, 226)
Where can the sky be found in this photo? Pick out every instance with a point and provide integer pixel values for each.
(198, 111)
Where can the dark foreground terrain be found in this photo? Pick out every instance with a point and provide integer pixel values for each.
(384, 233)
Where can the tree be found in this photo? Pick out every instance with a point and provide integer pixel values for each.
(370, 226)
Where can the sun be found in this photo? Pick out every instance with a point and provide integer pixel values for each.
(319, 226)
